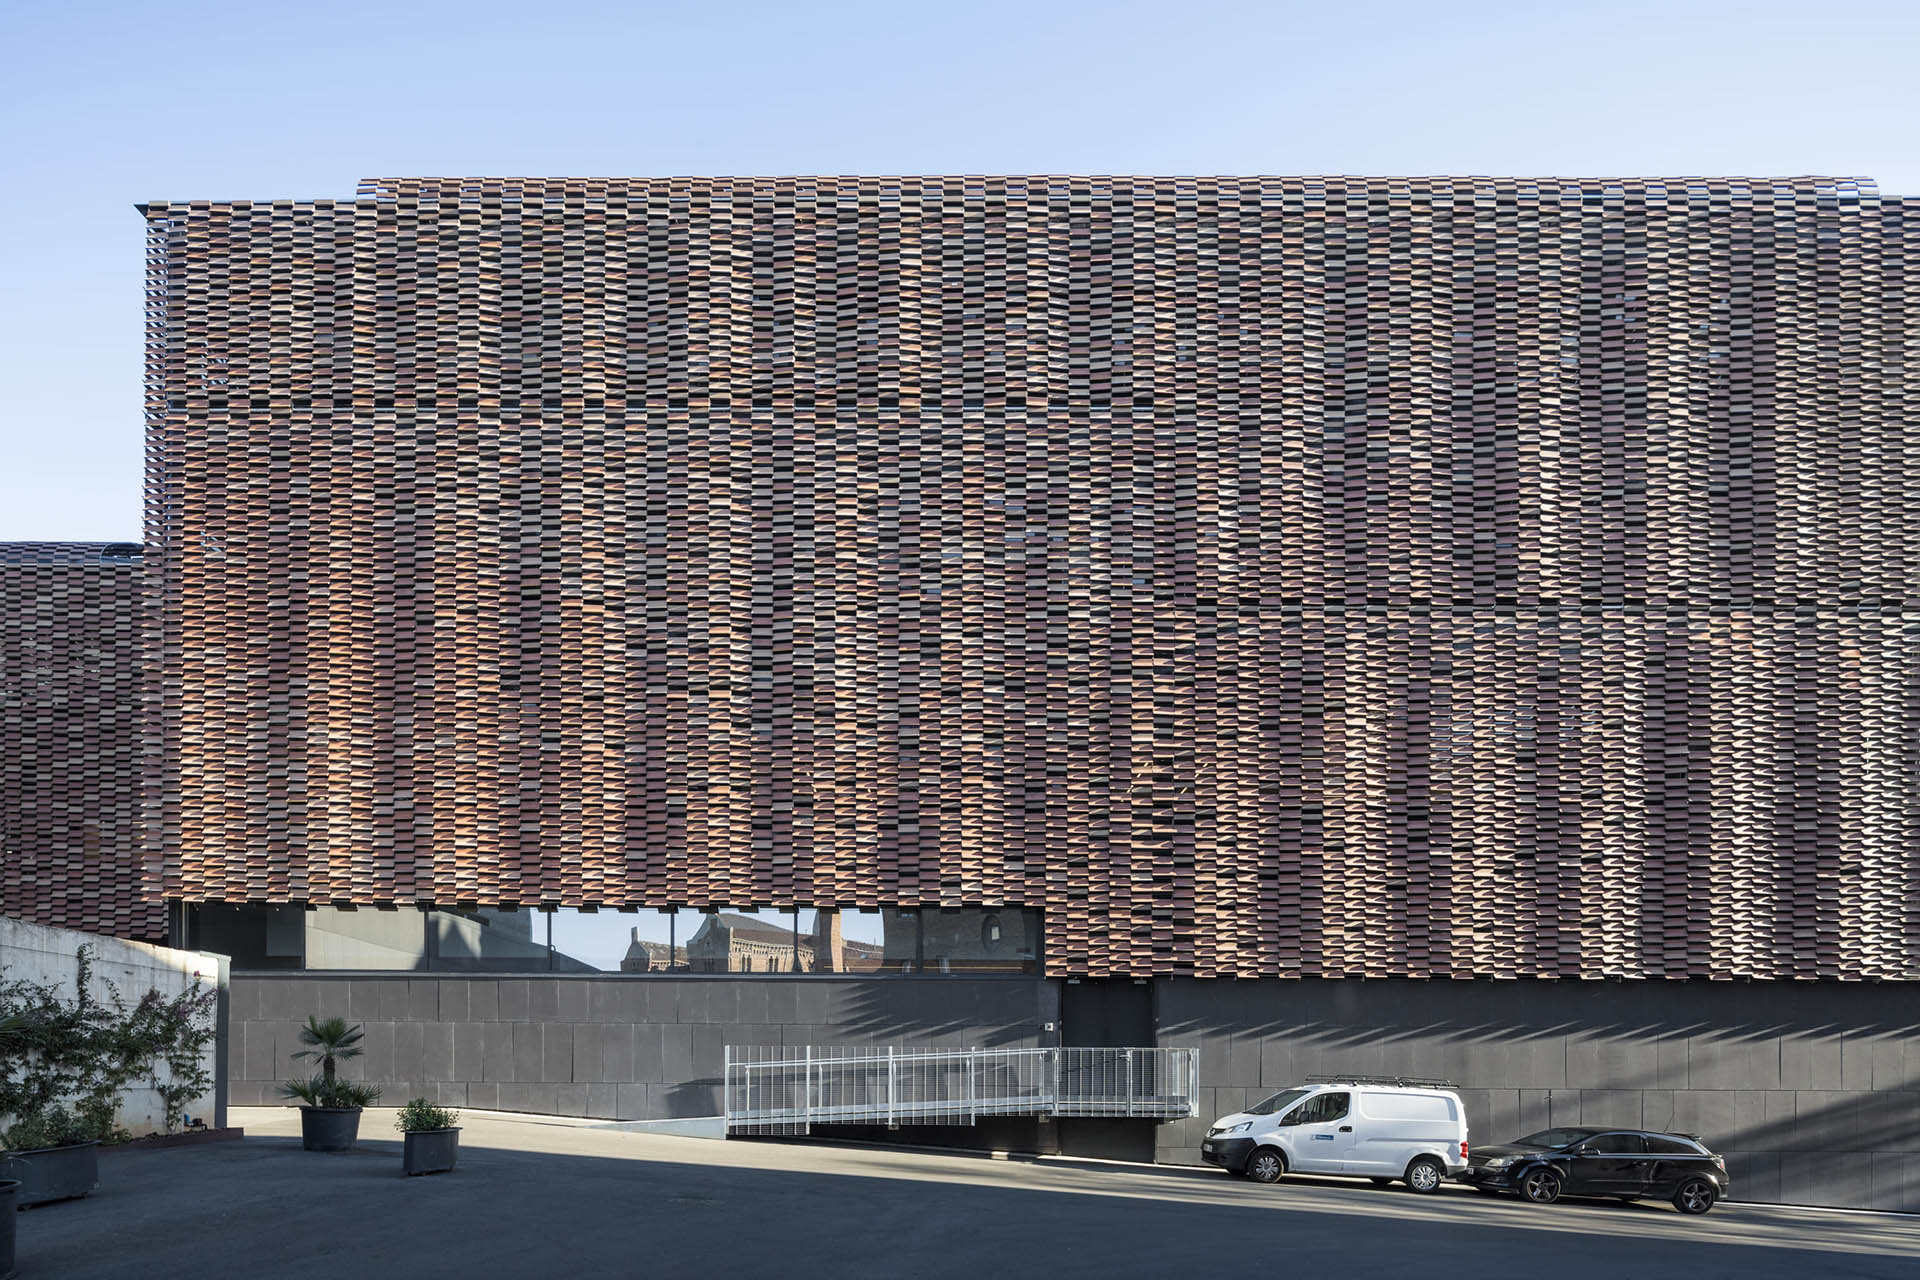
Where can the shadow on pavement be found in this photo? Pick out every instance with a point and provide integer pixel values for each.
(263, 1207)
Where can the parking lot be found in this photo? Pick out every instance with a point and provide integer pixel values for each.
(537, 1197)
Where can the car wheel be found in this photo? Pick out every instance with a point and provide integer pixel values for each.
(1426, 1175)
(1540, 1186)
(1266, 1165)
(1695, 1196)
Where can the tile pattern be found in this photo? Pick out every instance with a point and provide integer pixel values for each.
(73, 640)
(1264, 576)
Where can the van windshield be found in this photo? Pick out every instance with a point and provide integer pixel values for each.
(1278, 1102)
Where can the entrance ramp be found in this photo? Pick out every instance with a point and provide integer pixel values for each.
(786, 1090)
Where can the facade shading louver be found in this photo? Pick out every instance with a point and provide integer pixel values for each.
(1259, 576)
(75, 662)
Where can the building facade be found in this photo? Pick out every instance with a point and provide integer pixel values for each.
(1455, 626)
(77, 666)
(1264, 577)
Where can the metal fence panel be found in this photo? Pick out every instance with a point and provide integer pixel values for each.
(788, 1090)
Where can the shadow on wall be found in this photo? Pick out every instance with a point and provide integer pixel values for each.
(1811, 1091)
(982, 1013)
(1382, 1010)
(697, 1097)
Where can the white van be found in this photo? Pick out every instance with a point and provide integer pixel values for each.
(1378, 1127)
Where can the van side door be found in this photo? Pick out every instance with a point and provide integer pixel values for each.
(1321, 1132)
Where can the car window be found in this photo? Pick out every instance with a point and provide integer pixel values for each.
(1554, 1139)
(1671, 1147)
(1616, 1144)
(1324, 1108)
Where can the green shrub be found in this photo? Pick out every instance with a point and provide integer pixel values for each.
(51, 1127)
(420, 1116)
(60, 1051)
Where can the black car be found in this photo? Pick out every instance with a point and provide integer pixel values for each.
(1626, 1163)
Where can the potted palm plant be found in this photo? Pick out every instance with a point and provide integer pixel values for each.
(433, 1137)
(330, 1107)
(53, 1154)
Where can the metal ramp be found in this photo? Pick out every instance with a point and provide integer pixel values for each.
(786, 1090)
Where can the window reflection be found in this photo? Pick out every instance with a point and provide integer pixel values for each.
(889, 940)
(366, 938)
(487, 940)
(748, 942)
(614, 941)
(866, 941)
(970, 941)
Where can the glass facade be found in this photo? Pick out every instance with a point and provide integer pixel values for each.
(889, 940)
(484, 940)
(252, 937)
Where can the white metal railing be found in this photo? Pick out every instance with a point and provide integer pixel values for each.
(773, 1089)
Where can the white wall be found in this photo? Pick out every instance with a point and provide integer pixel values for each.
(36, 953)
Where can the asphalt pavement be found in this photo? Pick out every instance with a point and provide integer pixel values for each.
(539, 1198)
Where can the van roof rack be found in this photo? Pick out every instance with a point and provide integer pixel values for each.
(1404, 1082)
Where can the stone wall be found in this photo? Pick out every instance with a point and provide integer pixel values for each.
(613, 1047)
(1811, 1090)
(48, 956)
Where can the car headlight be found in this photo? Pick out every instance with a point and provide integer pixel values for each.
(1244, 1124)
(1498, 1162)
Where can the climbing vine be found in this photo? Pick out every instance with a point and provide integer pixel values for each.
(65, 1060)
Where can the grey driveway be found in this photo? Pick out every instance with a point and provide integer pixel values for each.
(534, 1198)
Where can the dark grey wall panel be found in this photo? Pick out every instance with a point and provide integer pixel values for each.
(1812, 1090)
(612, 1047)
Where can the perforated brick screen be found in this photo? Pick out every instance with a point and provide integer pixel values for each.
(1261, 576)
(74, 648)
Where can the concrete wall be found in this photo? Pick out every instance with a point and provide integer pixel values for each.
(614, 1047)
(1811, 1090)
(38, 954)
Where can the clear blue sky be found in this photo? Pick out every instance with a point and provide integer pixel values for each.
(106, 104)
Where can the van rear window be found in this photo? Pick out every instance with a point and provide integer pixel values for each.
(1405, 1106)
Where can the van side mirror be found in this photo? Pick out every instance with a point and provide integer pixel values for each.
(1292, 1117)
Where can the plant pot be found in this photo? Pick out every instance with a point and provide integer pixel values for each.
(9, 1195)
(57, 1173)
(432, 1151)
(329, 1128)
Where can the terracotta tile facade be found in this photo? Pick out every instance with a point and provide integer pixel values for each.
(1262, 576)
(74, 739)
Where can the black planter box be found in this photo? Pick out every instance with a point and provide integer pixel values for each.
(9, 1192)
(329, 1128)
(58, 1173)
(432, 1151)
